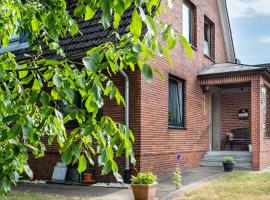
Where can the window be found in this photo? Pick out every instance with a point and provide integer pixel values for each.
(16, 42)
(188, 22)
(265, 111)
(176, 102)
(209, 39)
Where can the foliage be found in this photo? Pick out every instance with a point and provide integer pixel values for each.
(177, 177)
(229, 159)
(30, 90)
(144, 178)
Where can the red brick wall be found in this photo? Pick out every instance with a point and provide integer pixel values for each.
(156, 145)
(160, 144)
(232, 100)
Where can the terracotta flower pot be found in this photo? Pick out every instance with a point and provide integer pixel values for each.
(143, 191)
(87, 177)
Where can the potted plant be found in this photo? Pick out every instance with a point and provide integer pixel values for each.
(144, 186)
(228, 163)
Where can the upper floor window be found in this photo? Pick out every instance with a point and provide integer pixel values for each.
(16, 42)
(189, 22)
(176, 102)
(209, 38)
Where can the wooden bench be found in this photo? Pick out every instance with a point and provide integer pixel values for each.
(240, 139)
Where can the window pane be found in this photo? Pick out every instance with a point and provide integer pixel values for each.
(207, 39)
(187, 22)
(176, 112)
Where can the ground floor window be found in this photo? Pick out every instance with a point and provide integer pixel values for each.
(176, 102)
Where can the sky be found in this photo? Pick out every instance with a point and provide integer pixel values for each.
(250, 24)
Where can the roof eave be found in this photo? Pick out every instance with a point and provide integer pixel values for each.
(233, 73)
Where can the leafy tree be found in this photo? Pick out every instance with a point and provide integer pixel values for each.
(30, 89)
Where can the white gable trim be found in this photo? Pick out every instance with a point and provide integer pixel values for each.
(227, 34)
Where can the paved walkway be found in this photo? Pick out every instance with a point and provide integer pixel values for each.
(165, 190)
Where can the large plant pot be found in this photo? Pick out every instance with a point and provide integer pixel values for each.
(144, 192)
(228, 166)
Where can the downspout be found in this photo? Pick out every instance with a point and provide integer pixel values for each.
(127, 174)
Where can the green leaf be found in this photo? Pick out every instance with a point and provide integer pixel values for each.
(151, 26)
(106, 14)
(48, 74)
(69, 92)
(74, 29)
(167, 56)
(91, 61)
(44, 98)
(57, 79)
(117, 19)
(5, 40)
(136, 24)
(34, 24)
(23, 74)
(89, 13)
(82, 164)
(66, 157)
(147, 72)
(90, 104)
(79, 10)
(27, 79)
(55, 95)
(36, 85)
(186, 45)
(107, 168)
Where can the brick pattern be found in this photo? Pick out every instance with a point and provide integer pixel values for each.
(160, 144)
(232, 100)
(157, 145)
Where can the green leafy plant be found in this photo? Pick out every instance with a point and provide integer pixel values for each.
(31, 88)
(177, 176)
(144, 178)
(228, 159)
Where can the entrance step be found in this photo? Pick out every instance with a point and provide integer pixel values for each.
(243, 159)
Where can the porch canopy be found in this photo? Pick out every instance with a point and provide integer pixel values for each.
(254, 81)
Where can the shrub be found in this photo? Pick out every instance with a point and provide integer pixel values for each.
(229, 159)
(144, 178)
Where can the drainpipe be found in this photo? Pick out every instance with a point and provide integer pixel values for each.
(127, 175)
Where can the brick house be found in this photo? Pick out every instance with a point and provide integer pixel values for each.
(194, 109)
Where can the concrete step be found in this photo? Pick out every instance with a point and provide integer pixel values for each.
(229, 153)
(219, 164)
(214, 158)
(220, 159)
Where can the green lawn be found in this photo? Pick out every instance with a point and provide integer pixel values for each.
(233, 186)
(36, 196)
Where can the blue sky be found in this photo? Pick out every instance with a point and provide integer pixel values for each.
(250, 24)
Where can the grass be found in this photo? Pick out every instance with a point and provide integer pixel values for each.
(235, 185)
(37, 196)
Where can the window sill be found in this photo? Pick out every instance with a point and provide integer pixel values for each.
(212, 59)
(266, 137)
(177, 127)
(194, 47)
